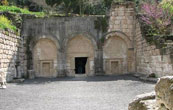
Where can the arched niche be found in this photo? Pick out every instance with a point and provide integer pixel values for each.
(45, 53)
(115, 54)
(80, 48)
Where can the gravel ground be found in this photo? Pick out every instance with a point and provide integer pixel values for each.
(81, 93)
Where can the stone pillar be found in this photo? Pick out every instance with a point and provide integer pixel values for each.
(99, 62)
(130, 60)
(61, 63)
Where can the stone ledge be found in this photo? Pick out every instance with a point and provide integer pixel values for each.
(21, 80)
(145, 77)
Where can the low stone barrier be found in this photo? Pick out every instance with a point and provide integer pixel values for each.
(12, 55)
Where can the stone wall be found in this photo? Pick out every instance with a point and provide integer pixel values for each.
(122, 18)
(151, 58)
(142, 57)
(12, 56)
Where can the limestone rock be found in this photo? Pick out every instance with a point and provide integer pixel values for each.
(164, 93)
(144, 102)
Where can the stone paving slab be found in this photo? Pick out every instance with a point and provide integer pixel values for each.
(81, 93)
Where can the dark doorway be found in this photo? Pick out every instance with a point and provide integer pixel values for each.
(80, 64)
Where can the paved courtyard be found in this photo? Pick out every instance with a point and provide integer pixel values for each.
(81, 93)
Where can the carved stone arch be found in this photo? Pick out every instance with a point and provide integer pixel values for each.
(36, 39)
(45, 53)
(80, 45)
(120, 35)
(87, 35)
(118, 53)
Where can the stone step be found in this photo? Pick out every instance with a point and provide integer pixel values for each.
(21, 80)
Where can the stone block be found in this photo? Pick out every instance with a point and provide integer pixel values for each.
(31, 74)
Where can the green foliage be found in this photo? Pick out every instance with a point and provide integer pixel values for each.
(168, 5)
(83, 6)
(22, 2)
(19, 2)
(14, 9)
(32, 6)
(156, 22)
(99, 9)
(101, 24)
(4, 2)
(6, 24)
(53, 2)
(68, 5)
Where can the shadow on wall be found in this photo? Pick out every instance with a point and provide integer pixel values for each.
(12, 56)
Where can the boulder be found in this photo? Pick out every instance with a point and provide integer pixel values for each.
(164, 93)
(144, 102)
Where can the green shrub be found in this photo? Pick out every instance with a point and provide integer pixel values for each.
(168, 5)
(14, 9)
(6, 24)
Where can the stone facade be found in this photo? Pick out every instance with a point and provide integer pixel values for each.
(12, 56)
(69, 38)
(64, 46)
(77, 37)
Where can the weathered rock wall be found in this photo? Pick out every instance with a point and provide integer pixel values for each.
(12, 56)
(151, 58)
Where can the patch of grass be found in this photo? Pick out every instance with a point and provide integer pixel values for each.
(14, 9)
(6, 24)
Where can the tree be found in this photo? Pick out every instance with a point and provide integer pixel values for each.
(68, 5)
(157, 18)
